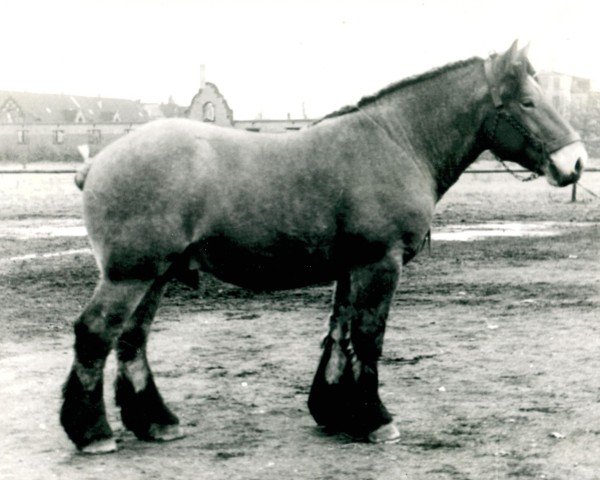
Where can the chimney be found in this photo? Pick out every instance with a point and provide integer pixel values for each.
(202, 76)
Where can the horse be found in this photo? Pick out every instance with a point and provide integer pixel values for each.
(268, 212)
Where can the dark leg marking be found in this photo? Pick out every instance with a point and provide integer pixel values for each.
(143, 410)
(83, 414)
(344, 395)
(331, 387)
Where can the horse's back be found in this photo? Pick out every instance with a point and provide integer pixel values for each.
(173, 183)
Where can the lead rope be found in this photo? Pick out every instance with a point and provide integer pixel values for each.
(593, 194)
(529, 178)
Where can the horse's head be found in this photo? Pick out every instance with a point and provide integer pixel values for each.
(523, 126)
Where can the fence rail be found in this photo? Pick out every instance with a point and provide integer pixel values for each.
(520, 170)
(35, 171)
(74, 170)
(470, 171)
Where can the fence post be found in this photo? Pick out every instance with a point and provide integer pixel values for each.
(574, 193)
(428, 240)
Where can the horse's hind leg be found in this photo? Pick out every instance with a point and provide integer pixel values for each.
(143, 410)
(83, 414)
(344, 395)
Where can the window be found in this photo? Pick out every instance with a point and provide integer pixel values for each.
(556, 101)
(59, 136)
(23, 137)
(94, 136)
(557, 83)
(208, 112)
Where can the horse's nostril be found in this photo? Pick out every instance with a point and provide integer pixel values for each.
(578, 165)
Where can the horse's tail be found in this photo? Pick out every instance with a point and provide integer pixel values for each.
(83, 170)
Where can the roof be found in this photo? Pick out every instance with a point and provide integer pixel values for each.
(61, 108)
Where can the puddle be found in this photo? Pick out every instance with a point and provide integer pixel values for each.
(51, 228)
(469, 233)
(37, 256)
(42, 228)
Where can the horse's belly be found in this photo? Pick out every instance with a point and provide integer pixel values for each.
(277, 267)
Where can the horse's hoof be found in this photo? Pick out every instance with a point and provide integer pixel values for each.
(385, 434)
(98, 447)
(165, 433)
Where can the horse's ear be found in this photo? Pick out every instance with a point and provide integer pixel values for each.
(503, 65)
(521, 65)
(524, 52)
(514, 63)
(512, 54)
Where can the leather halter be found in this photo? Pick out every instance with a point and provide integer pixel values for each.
(501, 114)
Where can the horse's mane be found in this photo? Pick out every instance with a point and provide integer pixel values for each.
(366, 100)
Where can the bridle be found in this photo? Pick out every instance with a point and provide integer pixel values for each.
(501, 114)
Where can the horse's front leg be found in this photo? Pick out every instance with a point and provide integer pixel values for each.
(344, 395)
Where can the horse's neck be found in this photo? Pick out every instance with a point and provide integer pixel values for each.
(437, 120)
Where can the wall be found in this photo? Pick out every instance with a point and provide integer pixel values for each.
(272, 126)
(41, 141)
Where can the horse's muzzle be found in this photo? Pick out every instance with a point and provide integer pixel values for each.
(566, 164)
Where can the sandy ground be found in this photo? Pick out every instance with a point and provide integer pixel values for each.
(490, 366)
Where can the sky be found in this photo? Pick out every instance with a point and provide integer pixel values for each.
(270, 57)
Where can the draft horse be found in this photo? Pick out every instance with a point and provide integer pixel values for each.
(281, 211)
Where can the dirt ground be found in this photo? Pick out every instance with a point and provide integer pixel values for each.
(490, 363)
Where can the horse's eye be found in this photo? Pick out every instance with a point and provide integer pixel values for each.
(527, 103)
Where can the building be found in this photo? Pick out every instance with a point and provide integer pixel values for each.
(209, 105)
(575, 98)
(51, 126)
(567, 92)
(164, 110)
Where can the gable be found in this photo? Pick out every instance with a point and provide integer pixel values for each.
(209, 105)
(10, 112)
